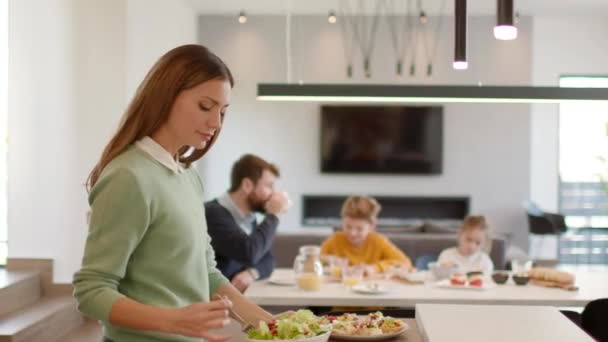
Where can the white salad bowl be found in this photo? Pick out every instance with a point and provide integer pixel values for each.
(319, 338)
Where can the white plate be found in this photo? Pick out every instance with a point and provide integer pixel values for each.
(287, 280)
(369, 338)
(487, 284)
(369, 288)
(414, 277)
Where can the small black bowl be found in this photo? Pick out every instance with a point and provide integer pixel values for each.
(521, 279)
(500, 277)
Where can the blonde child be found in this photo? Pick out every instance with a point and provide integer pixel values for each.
(358, 241)
(469, 255)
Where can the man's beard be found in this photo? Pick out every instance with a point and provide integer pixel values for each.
(257, 204)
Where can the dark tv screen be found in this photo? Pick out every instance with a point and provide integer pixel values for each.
(381, 139)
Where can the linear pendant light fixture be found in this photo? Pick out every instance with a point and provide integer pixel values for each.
(505, 28)
(460, 38)
(398, 93)
(426, 93)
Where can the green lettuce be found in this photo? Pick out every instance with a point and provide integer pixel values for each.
(290, 326)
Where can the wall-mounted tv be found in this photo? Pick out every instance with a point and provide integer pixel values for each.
(381, 139)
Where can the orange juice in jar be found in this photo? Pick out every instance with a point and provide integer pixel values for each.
(308, 268)
(309, 281)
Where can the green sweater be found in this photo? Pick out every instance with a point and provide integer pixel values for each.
(147, 241)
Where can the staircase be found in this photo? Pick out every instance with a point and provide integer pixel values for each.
(32, 309)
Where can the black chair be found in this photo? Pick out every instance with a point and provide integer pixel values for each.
(422, 262)
(574, 316)
(543, 223)
(593, 319)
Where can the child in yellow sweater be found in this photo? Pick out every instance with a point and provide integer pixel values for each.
(358, 241)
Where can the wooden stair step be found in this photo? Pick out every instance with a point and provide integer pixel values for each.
(18, 289)
(46, 320)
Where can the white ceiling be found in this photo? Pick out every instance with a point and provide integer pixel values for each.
(475, 7)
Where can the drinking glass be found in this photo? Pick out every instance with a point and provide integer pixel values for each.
(521, 265)
(352, 275)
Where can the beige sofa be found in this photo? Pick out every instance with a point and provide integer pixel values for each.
(285, 247)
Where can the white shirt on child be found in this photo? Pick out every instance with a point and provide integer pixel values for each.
(479, 261)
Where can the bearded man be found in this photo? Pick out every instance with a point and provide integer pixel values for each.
(242, 245)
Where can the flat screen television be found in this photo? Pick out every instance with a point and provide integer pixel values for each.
(381, 139)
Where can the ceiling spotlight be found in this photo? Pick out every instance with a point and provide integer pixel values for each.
(331, 18)
(423, 18)
(242, 17)
(504, 29)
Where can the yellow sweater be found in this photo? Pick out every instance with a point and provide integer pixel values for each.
(376, 250)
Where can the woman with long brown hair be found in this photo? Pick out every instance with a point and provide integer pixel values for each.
(148, 271)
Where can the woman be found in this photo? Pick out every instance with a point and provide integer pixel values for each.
(148, 271)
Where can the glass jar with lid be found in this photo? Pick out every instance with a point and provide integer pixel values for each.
(308, 268)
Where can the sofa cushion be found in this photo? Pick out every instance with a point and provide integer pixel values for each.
(400, 229)
(442, 226)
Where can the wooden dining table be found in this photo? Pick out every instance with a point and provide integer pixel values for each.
(403, 294)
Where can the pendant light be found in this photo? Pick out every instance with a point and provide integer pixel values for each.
(505, 28)
(460, 38)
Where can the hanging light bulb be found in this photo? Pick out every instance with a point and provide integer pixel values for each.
(460, 39)
(504, 29)
(331, 18)
(242, 17)
(423, 18)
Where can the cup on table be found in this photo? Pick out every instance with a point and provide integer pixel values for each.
(521, 266)
(336, 264)
(352, 275)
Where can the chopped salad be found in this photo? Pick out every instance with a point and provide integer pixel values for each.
(373, 324)
(291, 325)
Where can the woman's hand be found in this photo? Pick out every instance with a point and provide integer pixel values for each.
(197, 319)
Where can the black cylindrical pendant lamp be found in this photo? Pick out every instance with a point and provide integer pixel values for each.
(460, 39)
(505, 28)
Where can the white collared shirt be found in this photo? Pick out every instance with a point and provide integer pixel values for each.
(156, 151)
(245, 222)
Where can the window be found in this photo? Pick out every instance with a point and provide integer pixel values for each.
(583, 169)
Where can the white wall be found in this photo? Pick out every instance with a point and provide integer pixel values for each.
(65, 58)
(3, 121)
(486, 147)
(73, 67)
(562, 46)
(153, 28)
